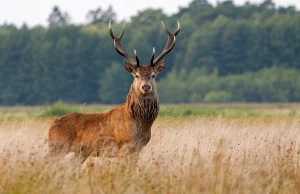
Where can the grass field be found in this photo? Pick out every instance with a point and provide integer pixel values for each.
(216, 148)
(191, 110)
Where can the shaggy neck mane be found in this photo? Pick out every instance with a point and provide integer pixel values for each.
(142, 107)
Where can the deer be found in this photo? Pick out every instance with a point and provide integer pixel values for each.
(124, 129)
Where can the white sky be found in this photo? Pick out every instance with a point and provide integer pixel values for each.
(34, 12)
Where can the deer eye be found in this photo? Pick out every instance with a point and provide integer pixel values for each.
(137, 76)
(153, 76)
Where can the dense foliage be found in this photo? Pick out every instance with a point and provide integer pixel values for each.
(267, 85)
(224, 53)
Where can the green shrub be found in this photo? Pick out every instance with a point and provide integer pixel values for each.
(218, 96)
(189, 111)
(58, 109)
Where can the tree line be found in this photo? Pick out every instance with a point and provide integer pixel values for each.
(226, 53)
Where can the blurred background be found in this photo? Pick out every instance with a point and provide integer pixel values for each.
(227, 51)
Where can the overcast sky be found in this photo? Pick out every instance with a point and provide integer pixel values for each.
(34, 12)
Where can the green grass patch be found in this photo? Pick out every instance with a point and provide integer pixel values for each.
(189, 111)
(58, 109)
(181, 110)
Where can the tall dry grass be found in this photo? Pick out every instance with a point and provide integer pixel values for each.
(184, 155)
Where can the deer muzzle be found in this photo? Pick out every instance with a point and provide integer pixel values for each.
(146, 88)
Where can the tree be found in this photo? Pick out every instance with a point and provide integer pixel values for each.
(98, 15)
(268, 4)
(250, 51)
(195, 7)
(114, 85)
(58, 18)
(148, 16)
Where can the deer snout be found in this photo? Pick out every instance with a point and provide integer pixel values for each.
(146, 88)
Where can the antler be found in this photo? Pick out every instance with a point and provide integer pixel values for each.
(169, 45)
(119, 48)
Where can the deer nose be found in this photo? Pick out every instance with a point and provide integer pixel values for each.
(146, 87)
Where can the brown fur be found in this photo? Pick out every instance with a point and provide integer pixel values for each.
(127, 126)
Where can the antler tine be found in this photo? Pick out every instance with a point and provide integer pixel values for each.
(152, 57)
(118, 45)
(122, 31)
(137, 58)
(178, 28)
(170, 43)
(112, 34)
(110, 31)
(166, 29)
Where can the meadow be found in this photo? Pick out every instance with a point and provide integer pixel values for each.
(200, 148)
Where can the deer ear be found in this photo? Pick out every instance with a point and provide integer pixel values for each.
(160, 66)
(130, 68)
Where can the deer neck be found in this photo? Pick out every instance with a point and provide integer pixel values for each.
(143, 108)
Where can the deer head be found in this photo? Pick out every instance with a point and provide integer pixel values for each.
(144, 75)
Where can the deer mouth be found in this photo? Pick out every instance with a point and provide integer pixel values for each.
(145, 92)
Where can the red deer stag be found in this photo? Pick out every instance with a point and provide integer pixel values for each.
(128, 125)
